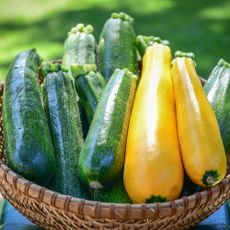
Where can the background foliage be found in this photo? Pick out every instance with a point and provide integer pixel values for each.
(201, 26)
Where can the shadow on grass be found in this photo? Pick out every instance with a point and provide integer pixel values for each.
(186, 26)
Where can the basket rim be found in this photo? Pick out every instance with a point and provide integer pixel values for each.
(97, 209)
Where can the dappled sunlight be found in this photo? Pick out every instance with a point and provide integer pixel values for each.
(217, 12)
(198, 26)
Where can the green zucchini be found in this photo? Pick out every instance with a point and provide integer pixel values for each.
(60, 101)
(89, 85)
(117, 45)
(80, 46)
(217, 89)
(28, 143)
(102, 156)
(115, 194)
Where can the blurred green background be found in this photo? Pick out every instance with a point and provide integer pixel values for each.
(201, 26)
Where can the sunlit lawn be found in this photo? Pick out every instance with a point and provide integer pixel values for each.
(199, 26)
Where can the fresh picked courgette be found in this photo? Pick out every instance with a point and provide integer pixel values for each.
(102, 156)
(117, 45)
(90, 85)
(60, 101)
(153, 170)
(201, 145)
(217, 89)
(80, 46)
(28, 143)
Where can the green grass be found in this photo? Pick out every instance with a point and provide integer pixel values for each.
(198, 26)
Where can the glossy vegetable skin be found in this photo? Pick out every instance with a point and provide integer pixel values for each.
(102, 156)
(199, 135)
(153, 169)
(90, 86)
(117, 45)
(28, 143)
(60, 101)
(217, 89)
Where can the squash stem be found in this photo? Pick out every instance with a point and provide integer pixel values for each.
(52, 67)
(179, 53)
(224, 63)
(81, 28)
(144, 41)
(79, 70)
(122, 16)
(154, 199)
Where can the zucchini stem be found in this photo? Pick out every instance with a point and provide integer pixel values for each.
(122, 16)
(144, 41)
(154, 199)
(95, 185)
(224, 63)
(52, 67)
(81, 28)
(179, 53)
(78, 70)
(191, 55)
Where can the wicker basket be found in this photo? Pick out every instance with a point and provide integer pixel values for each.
(52, 210)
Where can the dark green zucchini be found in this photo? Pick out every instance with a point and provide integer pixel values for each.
(115, 194)
(60, 101)
(117, 46)
(217, 89)
(28, 143)
(102, 156)
(80, 46)
(90, 86)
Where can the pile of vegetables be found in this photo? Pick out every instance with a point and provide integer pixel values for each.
(119, 121)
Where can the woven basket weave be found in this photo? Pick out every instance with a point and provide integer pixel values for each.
(51, 210)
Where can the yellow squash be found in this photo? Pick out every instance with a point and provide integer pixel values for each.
(199, 136)
(153, 168)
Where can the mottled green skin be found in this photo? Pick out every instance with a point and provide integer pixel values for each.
(90, 87)
(117, 47)
(115, 194)
(102, 156)
(60, 100)
(79, 48)
(28, 143)
(217, 89)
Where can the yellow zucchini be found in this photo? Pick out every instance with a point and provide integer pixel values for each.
(199, 135)
(153, 170)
